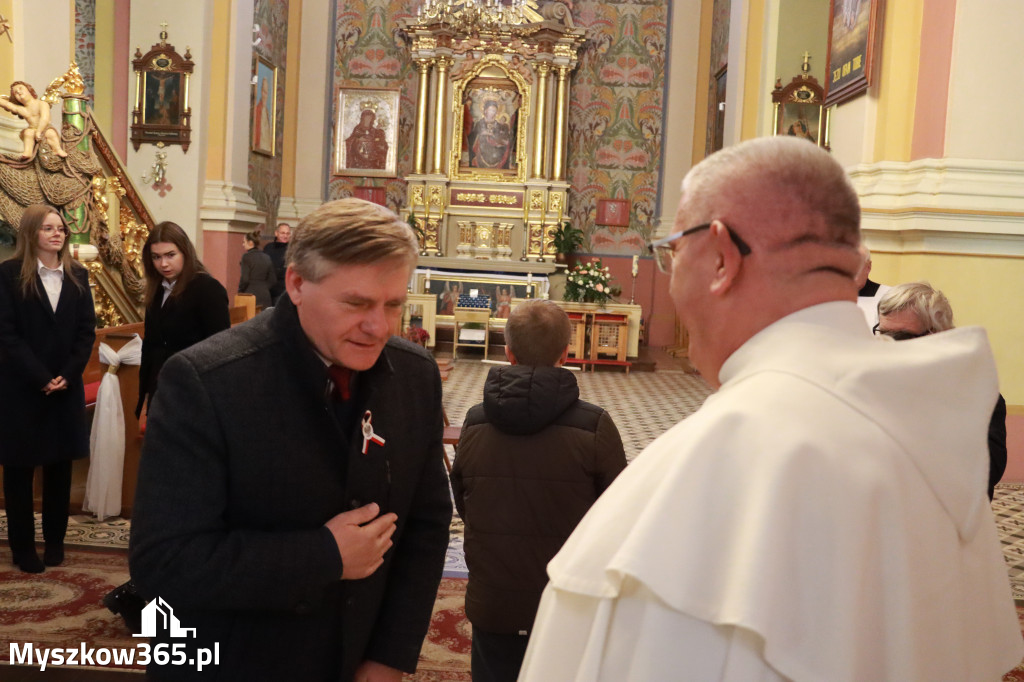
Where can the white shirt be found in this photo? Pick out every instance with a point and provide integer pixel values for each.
(823, 516)
(168, 288)
(53, 281)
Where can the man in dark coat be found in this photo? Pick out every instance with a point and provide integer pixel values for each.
(308, 547)
(276, 250)
(532, 460)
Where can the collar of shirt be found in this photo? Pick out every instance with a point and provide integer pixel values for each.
(57, 272)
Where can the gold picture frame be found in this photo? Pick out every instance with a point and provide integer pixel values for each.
(490, 81)
(263, 115)
(446, 287)
(854, 27)
(366, 132)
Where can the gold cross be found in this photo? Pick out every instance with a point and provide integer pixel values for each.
(806, 66)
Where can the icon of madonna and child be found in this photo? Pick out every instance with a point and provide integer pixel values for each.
(490, 123)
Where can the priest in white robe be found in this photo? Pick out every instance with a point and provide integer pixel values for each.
(823, 516)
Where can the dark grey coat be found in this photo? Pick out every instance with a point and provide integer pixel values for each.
(228, 521)
(36, 345)
(258, 277)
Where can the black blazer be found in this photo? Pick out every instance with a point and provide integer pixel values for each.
(228, 520)
(188, 317)
(258, 277)
(36, 345)
(276, 250)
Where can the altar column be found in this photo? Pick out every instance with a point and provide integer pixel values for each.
(561, 122)
(440, 119)
(421, 116)
(539, 141)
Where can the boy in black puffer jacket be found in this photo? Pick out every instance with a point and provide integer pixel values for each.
(532, 460)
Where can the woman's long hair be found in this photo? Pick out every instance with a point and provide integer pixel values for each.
(27, 249)
(169, 233)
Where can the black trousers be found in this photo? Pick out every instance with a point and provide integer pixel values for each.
(21, 532)
(496, 657)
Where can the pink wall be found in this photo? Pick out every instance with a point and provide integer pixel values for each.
(1014, 449)
(222, 256)
(122, 46)
(651, 295)
(933, 80)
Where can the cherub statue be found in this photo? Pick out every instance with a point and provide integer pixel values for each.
(24, 103)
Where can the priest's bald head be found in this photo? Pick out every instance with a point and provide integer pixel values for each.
(764, 228)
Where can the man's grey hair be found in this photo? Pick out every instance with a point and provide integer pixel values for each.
(349, 232)
(797, 175)
(929, 305)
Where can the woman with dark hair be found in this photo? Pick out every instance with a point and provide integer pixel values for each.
(47, 328)
(184, 304)
(258, 275)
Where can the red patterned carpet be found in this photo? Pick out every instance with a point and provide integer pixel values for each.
(61, 608)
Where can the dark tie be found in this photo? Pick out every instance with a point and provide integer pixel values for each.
(341, 376)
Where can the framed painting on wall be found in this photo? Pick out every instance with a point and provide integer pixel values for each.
(854, 27)
(162, 114)
(264, 108)
(366, 134)
(798, 110)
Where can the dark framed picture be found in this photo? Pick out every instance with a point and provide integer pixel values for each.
(490, 124)
(366, 135)
(263, 124)
(854, 28)
(799, 111)
(162, 114)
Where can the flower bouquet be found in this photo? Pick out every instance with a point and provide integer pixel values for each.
(589, 283)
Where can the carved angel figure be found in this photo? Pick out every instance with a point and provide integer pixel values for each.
(24, 103)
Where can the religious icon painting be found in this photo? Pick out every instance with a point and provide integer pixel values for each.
(263, 127)
(366, 133)
(490, 125)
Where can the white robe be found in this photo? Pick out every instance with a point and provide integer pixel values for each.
(822, 517)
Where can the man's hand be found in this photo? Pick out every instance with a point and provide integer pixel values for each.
(362, 547)
(372, 671)
(56, 384)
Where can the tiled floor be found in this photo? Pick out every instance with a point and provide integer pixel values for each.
(643, 404)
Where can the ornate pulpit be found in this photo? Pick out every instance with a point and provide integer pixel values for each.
(489, 180)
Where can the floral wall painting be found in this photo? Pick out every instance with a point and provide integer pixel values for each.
(264, 110)
(490, 123)
(366, 140)
(853, 25)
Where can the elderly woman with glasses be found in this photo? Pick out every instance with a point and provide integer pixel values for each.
(47, 328)
(916, 309)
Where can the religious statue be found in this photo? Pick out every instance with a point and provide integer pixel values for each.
(367, 145)
(24, 103)
(490, 140)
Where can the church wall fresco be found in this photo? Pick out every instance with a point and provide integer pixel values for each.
(265, 171)
(85, 42)
(615, 117)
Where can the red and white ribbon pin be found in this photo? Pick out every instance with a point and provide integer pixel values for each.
(368, 435)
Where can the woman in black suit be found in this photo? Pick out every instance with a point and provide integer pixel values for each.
(258, 276)
(47, 328)
(184, 304)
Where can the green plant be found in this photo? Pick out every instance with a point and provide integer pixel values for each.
(589, 283)
(566, 239)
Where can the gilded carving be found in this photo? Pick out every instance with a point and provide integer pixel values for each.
(536, 200)
(555, 202)
(417, 195)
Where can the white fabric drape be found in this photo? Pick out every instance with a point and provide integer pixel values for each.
(106, 443)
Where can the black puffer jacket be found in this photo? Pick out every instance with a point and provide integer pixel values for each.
(532, 460)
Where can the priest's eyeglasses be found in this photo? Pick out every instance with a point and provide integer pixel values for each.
(898, 335)
(662, 249)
